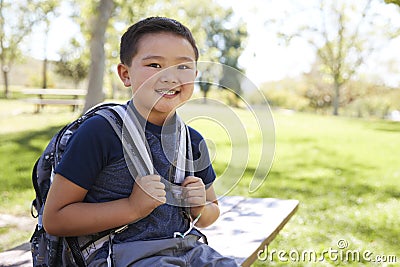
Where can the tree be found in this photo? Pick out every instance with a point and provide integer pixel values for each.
(229, 40)
(126, 13)
(102, 12)
(47, 10)
(103, 26)
(343, 36)
(396, 2)
(16, 22)
(74, 63)
(319, 95)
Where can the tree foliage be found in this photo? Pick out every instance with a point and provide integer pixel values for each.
(343, 36)
(17, 19)
(396, 2)
(98, 14)
(47, 10)
(228, 39)
(74, 63)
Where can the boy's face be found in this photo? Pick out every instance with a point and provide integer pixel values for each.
(161, 74)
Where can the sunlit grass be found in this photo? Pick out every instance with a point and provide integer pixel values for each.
(23, 136)
(345, 173)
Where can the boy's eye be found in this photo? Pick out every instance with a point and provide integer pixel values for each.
(154, 65)
(184, 67)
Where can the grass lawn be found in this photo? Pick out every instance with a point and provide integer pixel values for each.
(23, 136)
(343, 171)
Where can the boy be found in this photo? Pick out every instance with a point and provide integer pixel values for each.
(93, 188)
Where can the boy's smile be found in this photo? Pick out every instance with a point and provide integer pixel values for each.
(167, 92)
(161, 75)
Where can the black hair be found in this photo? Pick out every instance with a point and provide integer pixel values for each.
(130, 39)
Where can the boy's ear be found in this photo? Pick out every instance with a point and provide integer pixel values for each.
(123, 74)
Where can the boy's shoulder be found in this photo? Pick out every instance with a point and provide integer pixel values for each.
(96, 125)
(195, 136)
(95, 129)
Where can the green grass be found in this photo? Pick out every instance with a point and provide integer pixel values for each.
(344, 172)
(23, 136)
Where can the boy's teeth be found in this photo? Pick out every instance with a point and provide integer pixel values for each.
(167, 92)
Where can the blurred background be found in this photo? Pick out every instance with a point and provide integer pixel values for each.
(319, 56)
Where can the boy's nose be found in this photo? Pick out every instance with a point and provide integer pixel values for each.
(169, 76)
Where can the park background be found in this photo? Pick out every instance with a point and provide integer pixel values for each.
(329, 70)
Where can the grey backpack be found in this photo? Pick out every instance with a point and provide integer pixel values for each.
(48, 250)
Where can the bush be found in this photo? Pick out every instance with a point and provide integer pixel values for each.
(370, 106)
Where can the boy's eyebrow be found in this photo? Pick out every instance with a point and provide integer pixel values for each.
(152, 57)
(185, 59)
(182, 58)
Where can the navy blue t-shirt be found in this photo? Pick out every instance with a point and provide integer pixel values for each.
(94, 160)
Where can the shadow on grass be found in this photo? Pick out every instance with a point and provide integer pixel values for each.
(385, 232)
(388, 126)
(18, 153)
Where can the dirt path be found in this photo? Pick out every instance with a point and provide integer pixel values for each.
(25, 223)
(17, 226)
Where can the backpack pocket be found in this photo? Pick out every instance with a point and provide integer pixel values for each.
(45, 248)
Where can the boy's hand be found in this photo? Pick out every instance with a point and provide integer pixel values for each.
(195, 194)
(147, 194)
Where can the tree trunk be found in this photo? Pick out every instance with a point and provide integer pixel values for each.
(5, 77)
(336, 99)
(44, 85)
(45, 61)
(205, 96)
(95, 93)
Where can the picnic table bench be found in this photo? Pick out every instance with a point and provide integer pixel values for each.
(245, 226)
(66, 97)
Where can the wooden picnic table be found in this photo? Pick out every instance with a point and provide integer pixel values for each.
(50, 96)
(245, 226)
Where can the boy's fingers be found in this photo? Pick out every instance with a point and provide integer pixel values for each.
(191, 180)
(162, 199)
(159, 185)
(150, 178)
(193, 194)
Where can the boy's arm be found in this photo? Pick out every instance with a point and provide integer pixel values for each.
(210, 212)
(202, 201)
(66, 215)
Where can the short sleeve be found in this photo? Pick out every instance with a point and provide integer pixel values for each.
(88, 150)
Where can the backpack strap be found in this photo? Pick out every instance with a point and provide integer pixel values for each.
(135, 145)
(137, 150)
(184, 155)
(75, 251)
(134, 141)
(38, 201)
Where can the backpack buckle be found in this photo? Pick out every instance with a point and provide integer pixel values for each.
(33, 207)
(121, 229)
